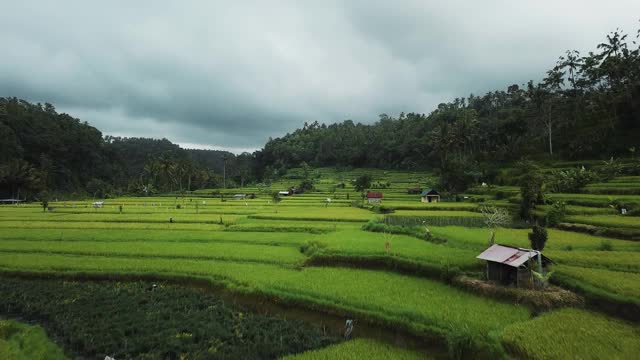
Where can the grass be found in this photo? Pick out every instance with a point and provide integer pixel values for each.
(357, 243)
(20, 341)
(614, 282)
(626, 261)
(151, 236)
(606, 220)
(359, 349)
(478, 238)
(573, 334)
(255, 249)
(172, 250)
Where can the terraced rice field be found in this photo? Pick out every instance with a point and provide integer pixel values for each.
(273, 251)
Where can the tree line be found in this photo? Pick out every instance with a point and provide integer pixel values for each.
(43, 152)
(587, 106)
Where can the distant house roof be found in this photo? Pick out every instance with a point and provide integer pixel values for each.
(240, 195)
(429, 192)
(11, 200)
(509, 255)
(374, 195)
(283, 192)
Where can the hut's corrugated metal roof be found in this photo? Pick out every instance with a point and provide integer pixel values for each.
(428, 191)
(374, 195)
(509, 255)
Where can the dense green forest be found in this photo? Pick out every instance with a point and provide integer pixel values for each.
(43, 152)
(586, 107)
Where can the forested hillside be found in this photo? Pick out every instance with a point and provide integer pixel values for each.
(587, 106)
(45, 151)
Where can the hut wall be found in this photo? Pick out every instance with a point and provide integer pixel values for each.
(501, 273)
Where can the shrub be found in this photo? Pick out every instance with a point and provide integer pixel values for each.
(556, 214)
(449, 272)
(381, 209)
(609, 169)
(419, 232)
(569, 181)
(538, 237)
(531, 187)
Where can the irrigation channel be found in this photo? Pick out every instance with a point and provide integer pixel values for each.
(331, 321)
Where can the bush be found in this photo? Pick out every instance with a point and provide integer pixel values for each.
(531, 187)
(569, 181)
(419, 232)
(306, 185)
(538, 237)
(556, 214)
(620, 233)
(381, 209)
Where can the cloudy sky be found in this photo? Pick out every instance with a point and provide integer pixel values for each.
(229, 74)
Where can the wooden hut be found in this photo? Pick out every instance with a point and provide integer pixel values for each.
(430, 196)
(512, 266)
(374, 197)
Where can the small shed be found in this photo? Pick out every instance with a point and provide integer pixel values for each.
(98, 204)
(239, 196)
(510, 265)
(374, 197)
(283, 193)
(430, 196)
(10, 201)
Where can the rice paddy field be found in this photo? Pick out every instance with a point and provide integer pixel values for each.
(313, 254)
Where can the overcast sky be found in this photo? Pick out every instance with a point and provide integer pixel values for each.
(229, 74)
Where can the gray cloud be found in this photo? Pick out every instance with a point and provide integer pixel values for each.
(231, 74)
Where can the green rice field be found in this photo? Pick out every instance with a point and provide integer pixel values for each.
(315, 255)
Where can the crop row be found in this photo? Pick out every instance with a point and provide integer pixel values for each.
(572, 333)
(360, 349)
(283, 255)
(420, 305)
(614, 282)
(606, 220)
(478, 239)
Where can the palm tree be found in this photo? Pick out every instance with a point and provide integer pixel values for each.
(151, 170)
(19, 175)
(167, 170)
